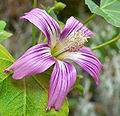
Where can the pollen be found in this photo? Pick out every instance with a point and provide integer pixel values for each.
(76, 40)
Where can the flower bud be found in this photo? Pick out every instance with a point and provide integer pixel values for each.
(59, 6)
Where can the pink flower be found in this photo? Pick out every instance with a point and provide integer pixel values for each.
(61, 46)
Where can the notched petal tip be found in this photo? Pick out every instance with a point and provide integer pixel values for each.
(35, 60)
(22, 17)
(57, 108)
(91, 33)
(8, 69)
(62, 79)
(48, 108)
(96, 81)
(26, 13)
(17, 77)
(5, 70)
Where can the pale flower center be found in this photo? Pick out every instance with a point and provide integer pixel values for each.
(73, 42)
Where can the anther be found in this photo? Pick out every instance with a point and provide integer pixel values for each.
(76, 40)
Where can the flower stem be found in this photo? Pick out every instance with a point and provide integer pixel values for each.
(33, 27)
(40, 37)
(44, 41)
(107, 43)
(90, 18)
(51, 9)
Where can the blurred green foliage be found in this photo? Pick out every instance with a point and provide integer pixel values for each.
(3, 34)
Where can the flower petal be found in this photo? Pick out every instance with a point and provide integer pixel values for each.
(62, 79)
(86, 59)
(35, 60)
(73, 24)
(45, 23)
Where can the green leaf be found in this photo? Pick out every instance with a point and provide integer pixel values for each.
(2, 25)
(28, 96)
(3, 34)
(5, 61)
(109, 9)
(77, 84)
(25, 97)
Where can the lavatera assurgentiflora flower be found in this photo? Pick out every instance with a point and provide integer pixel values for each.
(62, 45)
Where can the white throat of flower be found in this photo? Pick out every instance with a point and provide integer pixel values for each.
(73, 42)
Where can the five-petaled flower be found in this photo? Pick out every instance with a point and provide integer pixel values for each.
(61, 46)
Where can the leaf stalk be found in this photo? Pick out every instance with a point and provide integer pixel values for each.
(90, 18)
(107, 43)
(33, 27)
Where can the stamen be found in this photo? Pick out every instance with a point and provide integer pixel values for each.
(76, 40)
(73, 42)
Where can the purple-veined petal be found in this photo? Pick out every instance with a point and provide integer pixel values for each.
(86, 59)
(62, 79)
(35, 60)
(73, 24)
(45, 23)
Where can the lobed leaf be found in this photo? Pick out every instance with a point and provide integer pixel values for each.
(109, 9)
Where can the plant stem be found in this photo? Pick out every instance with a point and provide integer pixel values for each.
(40, 37)
(51, 9)
(90, 18)
(45, 40)
(35, 4)
(33, 35)
(33, 27)
(107, 43)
